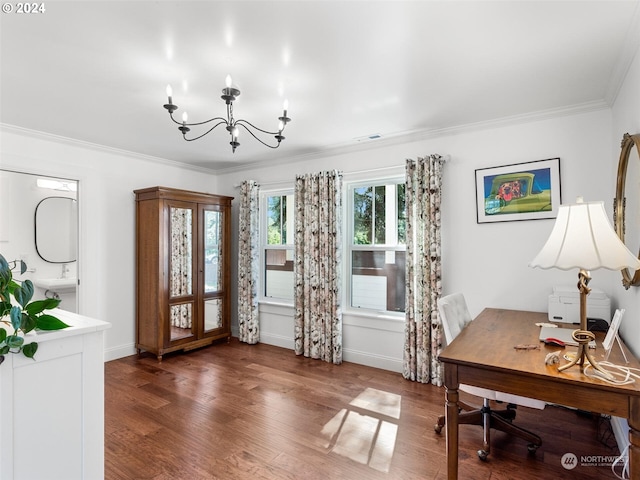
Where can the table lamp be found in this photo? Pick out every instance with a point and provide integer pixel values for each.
(583, 238)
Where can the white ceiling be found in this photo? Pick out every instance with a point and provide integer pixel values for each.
(96, 71)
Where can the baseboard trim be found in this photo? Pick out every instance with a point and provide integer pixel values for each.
(376, 361)
(353, 356)
(120, 352)
(277, 340)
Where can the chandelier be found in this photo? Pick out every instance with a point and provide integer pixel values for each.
(229, 95)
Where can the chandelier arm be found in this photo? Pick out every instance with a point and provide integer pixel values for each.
(242, 122)
(208, 131)
(222, 120)
(256, 137)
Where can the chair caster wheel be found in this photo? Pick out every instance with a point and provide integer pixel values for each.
(483, 454)
(532, 448)
(437, 428)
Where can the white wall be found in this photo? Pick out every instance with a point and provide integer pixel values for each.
(106, 205)
(488, 262)
(626, 119)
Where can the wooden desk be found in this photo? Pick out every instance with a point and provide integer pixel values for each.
(483, 355)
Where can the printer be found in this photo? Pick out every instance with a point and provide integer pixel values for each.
(564, 305)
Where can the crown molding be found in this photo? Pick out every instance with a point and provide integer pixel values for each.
(332, 150)
(425, 134)
(36, 134)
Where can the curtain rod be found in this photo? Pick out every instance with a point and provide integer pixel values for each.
(445, 159)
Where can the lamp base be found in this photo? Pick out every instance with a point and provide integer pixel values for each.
(583, 356)
(582, 335)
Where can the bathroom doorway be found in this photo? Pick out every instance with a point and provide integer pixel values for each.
(39, 225)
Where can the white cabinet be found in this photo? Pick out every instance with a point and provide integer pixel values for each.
(52, 408)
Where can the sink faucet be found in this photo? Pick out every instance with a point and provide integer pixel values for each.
(65, 270)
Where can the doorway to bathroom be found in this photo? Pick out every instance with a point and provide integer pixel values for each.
(39, 225)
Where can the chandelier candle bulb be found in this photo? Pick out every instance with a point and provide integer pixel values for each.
(169, 94)
(185, 117)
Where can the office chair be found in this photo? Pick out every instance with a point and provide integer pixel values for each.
(455, 317)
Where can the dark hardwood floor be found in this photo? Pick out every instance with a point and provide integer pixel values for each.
(235, 411)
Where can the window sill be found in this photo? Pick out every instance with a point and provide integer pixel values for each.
(371, 314)
(351, 312)
(275, 302)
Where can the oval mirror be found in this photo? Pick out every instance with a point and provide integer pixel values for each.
(626, 207)
(56, 229)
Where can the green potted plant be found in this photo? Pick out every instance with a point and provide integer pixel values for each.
(26, 315)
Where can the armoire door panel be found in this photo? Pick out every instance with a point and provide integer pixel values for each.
(181, 259)
(213, 314)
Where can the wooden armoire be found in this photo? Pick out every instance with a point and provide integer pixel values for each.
(182, 269)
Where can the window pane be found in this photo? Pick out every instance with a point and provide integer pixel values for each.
(274, 220)
(278, 270)
(378, 280)
(402, 215)
(279, 227)
(362, 215)
(380, 218)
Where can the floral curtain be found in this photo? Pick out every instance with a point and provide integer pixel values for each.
(318, 256)
(248, 266)
(423, 330)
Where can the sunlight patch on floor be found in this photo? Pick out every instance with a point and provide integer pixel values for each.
(366, 431)
(377, 401)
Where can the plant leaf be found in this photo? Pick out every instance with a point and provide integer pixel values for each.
(16, 317)
(1, 359)
(38, 306)
(14, 341)
(3, 335)
(12, 286)
(5, 279)
(5, 308)
(4, 350)
(23, 267)
(49, 322)
(5, 273)
(4, 265)
(30, 349)
(24, 293)
(29, 322)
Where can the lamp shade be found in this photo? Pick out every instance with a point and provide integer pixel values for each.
(582, 237)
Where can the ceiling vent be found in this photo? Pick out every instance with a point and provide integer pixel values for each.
(373, 136)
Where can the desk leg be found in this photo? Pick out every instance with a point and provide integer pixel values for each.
(451, 412)
(634, 437)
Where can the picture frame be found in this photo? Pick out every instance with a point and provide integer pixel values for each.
(612, 334)
(519, 191)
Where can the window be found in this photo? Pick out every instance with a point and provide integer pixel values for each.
(376, 210)
(277, 245)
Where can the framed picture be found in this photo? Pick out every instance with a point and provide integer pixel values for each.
(521, 191)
